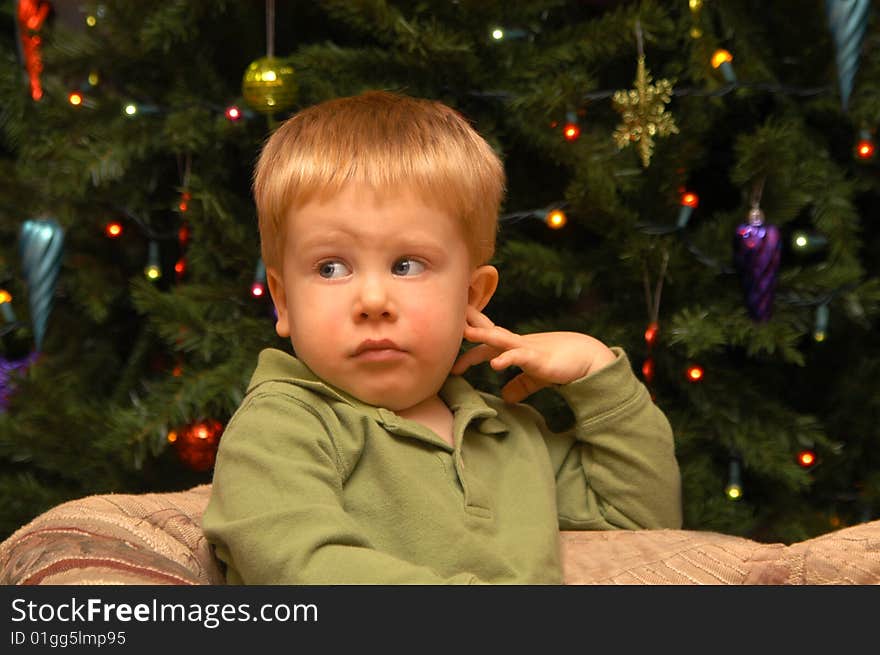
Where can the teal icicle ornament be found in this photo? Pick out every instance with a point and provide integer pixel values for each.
(41, 243)
(847, 20)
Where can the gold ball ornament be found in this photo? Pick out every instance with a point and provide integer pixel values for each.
(269, 85)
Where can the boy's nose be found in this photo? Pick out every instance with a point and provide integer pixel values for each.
(373, 301)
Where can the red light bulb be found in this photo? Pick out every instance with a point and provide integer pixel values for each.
(571, 131)
(865, 149)
(233, 113)
(183, 234)
(689, 199)
(185, 197)
(648, 369)
(113, 229)
(651, 333)
(258, 289)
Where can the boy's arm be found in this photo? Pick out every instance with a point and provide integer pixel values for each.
(616, 467)
(276, 513)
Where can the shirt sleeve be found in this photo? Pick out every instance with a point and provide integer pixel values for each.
(276, 513)
(616, 467)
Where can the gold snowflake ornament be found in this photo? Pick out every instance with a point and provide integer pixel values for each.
(644, 113)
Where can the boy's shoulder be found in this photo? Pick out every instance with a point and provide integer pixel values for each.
(278, 372)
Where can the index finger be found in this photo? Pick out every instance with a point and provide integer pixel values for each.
(477, 318)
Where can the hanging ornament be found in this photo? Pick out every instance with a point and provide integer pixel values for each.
(41, 244)
(9, 370)
(644, 110)
(196, 443)
(689, 202)
(847, 20)
(721, 60)
(758, 249)
(31, 16)
(269, 85)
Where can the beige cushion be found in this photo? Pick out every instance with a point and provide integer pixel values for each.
(114, 539)
(157, 539)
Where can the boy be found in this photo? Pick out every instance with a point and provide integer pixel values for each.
(367, 458)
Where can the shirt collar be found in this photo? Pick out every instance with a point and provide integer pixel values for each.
(465, 402)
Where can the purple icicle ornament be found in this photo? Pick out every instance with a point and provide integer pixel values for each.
(9, 369)
(758, 249)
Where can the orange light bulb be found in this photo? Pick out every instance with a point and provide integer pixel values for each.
(556, 219)
(571, 131)
(695, 373)
(690, 200)
(113, 229)
(75, 99)
(720, 57)
(806, 458)
(5, 296)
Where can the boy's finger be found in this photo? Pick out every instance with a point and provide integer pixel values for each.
(494, 336)
(520, 388)
(474, 356)
(477, 318)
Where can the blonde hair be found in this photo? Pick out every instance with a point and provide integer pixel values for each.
(387, 141)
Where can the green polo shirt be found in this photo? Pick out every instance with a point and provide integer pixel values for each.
(312, 486)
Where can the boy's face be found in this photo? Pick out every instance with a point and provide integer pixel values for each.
(373, 293)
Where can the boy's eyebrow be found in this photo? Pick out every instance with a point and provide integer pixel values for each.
(335, 236)
(323, 238)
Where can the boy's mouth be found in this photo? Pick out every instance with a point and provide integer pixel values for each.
(377, 348)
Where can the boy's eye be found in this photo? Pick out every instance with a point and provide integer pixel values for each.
(332, 269)
(407, 266)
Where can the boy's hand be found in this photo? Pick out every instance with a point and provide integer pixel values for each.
(545, 358)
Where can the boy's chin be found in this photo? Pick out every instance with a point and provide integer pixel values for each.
(397, 400)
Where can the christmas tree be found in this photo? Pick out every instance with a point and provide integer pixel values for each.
(691, 180)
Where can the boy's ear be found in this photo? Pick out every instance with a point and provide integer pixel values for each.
(484, 281)
(276, 289)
